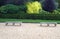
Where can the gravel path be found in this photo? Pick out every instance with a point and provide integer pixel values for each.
(29, 31)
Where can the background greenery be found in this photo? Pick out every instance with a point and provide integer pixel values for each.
(17, 10)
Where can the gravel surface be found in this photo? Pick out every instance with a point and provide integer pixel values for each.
(29, 31)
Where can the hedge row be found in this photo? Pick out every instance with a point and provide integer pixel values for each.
(46, 16)
(19, 12)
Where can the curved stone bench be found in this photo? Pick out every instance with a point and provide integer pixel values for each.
(48, 24)
(13, 23)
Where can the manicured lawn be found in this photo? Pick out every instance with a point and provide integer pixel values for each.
(29, 20)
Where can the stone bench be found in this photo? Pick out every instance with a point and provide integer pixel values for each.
(48, 24)
(13, 23)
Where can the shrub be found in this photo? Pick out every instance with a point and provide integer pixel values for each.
(12, 11)
(9, 9)
(33, 7)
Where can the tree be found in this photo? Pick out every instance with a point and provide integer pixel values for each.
(15, 2)
(2, 2)
(49, 5)
(58, 3)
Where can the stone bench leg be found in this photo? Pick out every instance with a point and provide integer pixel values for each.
(6, 24)
(13, 24)
(47, 24)
(20, 24)
(55, 25)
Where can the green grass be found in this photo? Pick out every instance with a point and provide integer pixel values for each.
(28, 20)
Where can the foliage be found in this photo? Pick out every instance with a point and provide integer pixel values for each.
(43, 15)
(11, 9)
(49, 5)
(32, 10)
(58, 3)
(2, 2)
(15, 2)
(33, 7)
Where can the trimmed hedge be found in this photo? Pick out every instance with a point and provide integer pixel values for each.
(43, 15)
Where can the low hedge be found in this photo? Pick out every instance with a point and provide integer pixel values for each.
(42, 16)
